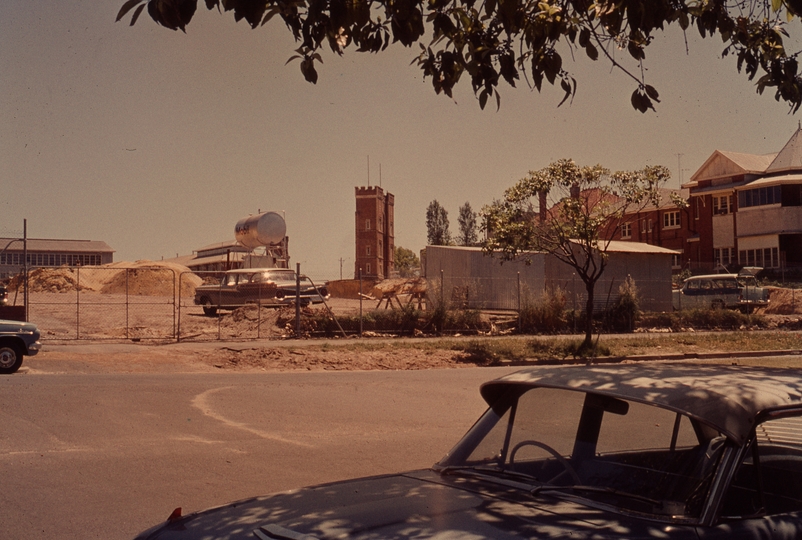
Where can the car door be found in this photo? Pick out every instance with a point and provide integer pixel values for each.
(691, 294)
(764, 498)
(228, 290)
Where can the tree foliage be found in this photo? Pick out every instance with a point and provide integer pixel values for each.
(437, 233)
(406, 262)
(508, 40)
(589, 203)
(467, 225)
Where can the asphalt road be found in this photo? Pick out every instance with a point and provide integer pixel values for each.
(107, 455)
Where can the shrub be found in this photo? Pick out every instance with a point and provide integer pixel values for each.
(545, 316)
(623, 314)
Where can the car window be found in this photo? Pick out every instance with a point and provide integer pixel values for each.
(231, 279)
(693, 285)
(706, 284)
(769, 479)
(632, 456)
(282, 276)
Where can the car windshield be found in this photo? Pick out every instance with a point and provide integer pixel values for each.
(628, 456)
(282, 276)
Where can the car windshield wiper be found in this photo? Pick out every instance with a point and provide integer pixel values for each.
(485, 470)
(545, 488)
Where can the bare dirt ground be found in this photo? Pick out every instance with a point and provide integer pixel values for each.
(214, 357)
(127, 324)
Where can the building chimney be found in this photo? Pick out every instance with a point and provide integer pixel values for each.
(575, 191)
(542, 201)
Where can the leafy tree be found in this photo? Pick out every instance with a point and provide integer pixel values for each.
(589, 204)
(437, 231)
(467, 225)
(511, 39)
(406, 262)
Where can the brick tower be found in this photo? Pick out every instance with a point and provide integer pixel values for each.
(375, 238)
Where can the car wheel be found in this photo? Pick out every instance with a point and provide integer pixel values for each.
(208, 308)
(10, 359)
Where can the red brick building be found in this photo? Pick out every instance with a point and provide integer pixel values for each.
(665, 225)
(743, 210)
(374, 233)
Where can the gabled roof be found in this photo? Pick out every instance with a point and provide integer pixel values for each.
(790, 157)
(723, 163)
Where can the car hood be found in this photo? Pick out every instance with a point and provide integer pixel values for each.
(17, 326)
(419, 504)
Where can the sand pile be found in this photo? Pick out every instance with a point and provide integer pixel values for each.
(784, 301)
(145, 278)
(148, 278)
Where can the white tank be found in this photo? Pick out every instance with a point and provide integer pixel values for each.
(264, 229)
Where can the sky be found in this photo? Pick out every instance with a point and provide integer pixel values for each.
(157, 142)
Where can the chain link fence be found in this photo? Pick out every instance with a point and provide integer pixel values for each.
(158, 302)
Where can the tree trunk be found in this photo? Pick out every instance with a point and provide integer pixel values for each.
(588, 343)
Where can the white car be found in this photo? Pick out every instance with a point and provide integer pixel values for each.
(719, 291)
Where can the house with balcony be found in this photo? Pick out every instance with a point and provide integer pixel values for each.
(747, 209)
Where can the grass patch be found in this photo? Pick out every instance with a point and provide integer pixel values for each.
(497, 350)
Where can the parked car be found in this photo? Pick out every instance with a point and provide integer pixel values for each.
(630, 451)
(17, 339)
(718, 291)
(265, 286)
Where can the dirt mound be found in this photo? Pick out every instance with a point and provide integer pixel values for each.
(148, 278)
(55, 280)
(784, 301)
(139, 278)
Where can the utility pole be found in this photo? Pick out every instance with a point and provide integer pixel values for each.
(679, 167)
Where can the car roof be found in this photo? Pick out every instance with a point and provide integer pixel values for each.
(714, 276)
(254, 270)
(725, 397)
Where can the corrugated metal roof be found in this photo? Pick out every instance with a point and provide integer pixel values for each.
(235, 256)
(753, 163)
(775, 180)
(621, 246)
(790, 157)
(42, 244)
(228, 244)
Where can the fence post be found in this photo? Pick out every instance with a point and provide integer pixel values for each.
(177, 324)
(127, 322)
(360, 302)
(519, 303)
(298, 300)
(78, 302)
(442, 289)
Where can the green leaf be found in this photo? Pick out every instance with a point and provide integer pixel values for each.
(483, 99)
(126, 8)
(136, 14)
(308, 70)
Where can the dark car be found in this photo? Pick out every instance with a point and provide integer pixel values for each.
(17, 339)
(635, 451)
(264, 286)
